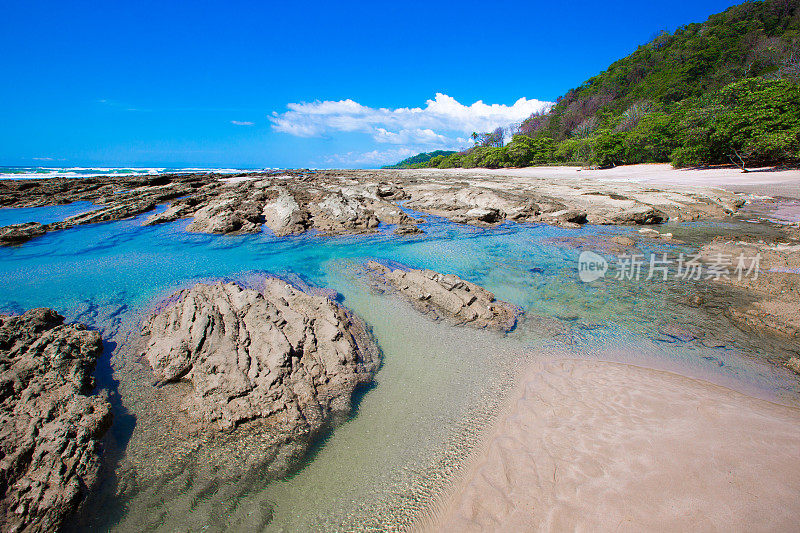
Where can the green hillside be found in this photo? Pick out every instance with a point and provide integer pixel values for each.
(421, 160)
(723, 91)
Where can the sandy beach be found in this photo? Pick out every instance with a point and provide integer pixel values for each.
(757, 180)
(598, 446)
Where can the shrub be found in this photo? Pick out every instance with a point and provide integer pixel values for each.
(651, 141)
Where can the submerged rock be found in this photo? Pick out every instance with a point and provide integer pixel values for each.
(281, 356)
(50, 428)
(447, 296)
(769, 274)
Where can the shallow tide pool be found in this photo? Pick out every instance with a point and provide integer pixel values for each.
(439, 385)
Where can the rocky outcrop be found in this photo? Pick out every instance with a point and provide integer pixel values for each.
(286, 358)
(50, 428)
(408, 229)
(117, 197)
(446, 297)
(284, 216)
(488, 199)
(289, 205)
(227, 216)
(335, 212)
(21, 233)
(358, 201)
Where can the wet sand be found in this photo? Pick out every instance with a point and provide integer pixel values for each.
(598, 446)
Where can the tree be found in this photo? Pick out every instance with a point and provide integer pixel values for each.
(750, 122)
(609, 148)
(486, 156)
(493, 138)
(520, 151)
(574, 150)
(651, 140)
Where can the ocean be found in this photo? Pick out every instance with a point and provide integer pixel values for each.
(81, 172)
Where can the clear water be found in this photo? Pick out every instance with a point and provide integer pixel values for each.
(438, 387)
(44, 215)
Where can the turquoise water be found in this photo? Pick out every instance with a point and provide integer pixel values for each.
(44, 215)
(438, 384)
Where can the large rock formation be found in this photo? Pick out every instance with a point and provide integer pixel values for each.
(279, 355)
(247, 380)
(49, 427)
(284, 216)
(290, 205)
(446, 296)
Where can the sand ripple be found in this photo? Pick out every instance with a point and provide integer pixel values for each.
(595, 446)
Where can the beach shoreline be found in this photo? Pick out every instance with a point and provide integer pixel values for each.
(598, 445)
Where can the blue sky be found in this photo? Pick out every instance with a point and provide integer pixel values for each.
(293, 84)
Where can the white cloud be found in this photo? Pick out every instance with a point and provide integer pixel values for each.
(414, 137)
(439, 123)
(241, 123)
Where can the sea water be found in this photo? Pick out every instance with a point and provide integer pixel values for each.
(439, 385)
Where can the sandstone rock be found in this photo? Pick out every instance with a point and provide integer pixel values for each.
(482, 214)
(20, 233)
(284, 216)
(780, 317)
(50, 429)
(446, 297)
(228, 215)
(564, 217)
(554, 201)
(181, 208)
(408, 229)
(281, 356)
(390, 191)
(337, 212)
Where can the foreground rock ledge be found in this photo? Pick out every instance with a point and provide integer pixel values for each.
(287, 358)
(446, 296)
(49, 427)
